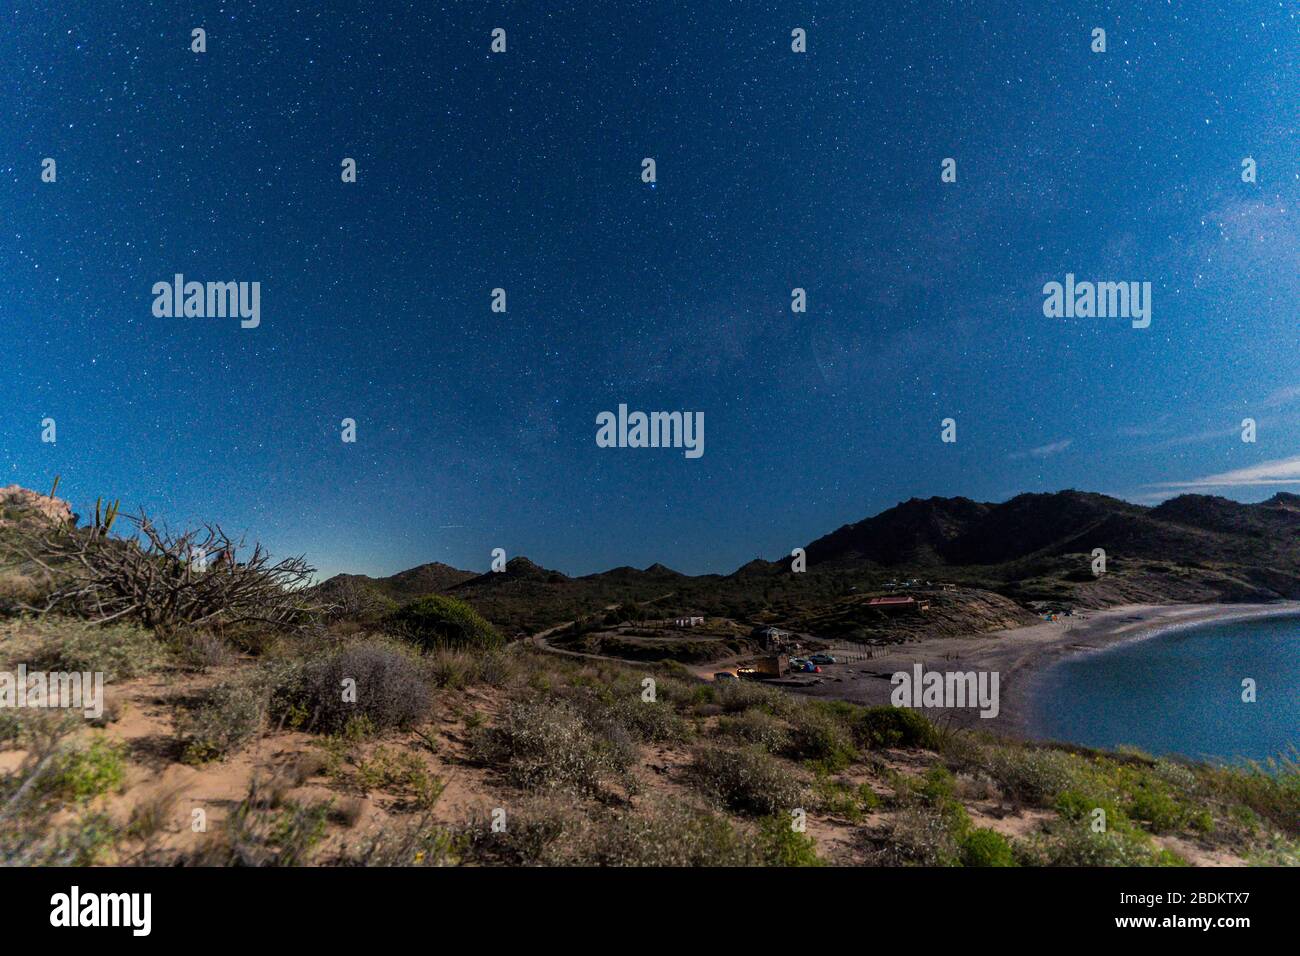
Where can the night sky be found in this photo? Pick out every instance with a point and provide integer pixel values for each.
(522, 170)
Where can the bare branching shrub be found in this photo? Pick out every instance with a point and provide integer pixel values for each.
(347, 599)
(166, 580)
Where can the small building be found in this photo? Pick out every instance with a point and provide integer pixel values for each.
(688, 622)
(771, 638)
(898, 604)
(763, 668)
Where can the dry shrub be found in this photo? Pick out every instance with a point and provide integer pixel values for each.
(392, 690)
(745, 780)
(542, 744)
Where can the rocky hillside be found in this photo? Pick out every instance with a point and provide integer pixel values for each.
(1032, 548)
(20, 506)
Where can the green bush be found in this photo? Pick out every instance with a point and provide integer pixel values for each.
(436, 621)
(781, 845)
(756, 727)
(919, 836)
(1156, 807)
(880, 727)
(86, 773)
(983, 847)
(815, 735)
(1076, 844)
(1032, 775)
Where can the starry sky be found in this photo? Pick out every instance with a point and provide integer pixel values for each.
(522, 170)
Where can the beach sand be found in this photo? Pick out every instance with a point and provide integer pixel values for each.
(1018, 655)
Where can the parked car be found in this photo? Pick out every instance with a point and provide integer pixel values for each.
(821, 658)
(723, 676)
(798, 663)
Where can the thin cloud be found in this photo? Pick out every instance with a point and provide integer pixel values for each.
(1044, 451)
(1284, 471)
(1283, 396)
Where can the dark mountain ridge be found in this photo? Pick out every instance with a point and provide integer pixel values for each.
(1033, 547)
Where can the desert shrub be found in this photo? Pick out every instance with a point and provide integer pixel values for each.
(756, 727)
(647, 721)
(665, 834)
(260, 834)
(918, 836)
(984, 847)
(200, 650)
(836, 798)
(745, 780)
(392, 691)
(814, 735)
(744, 695)
(19, 590)
(349, 599)
(150, 816)
(539, 832)
(223, 719)
(1078, 806)
(1270, 791)
(1157, 808)
(1032, 775)
(547, 744)
(31, 840)
(1077, 844)
(437, 621)
(781, 845)
(880, 727)
(166, 580)
(419, 842)
(80, 774)
(53, 773)
(401, 772)
(120, 651)
(937, 787)
(495, 668)
(450, 668)
(682, 690)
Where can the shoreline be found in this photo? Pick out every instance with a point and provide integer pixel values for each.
(1021, 655)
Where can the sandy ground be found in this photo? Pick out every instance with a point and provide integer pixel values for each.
(1019, 654)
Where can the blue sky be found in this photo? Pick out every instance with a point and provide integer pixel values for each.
(521, 170)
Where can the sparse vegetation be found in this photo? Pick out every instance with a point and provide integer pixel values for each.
(397, 748)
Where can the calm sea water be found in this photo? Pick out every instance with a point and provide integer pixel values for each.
(1180, 692)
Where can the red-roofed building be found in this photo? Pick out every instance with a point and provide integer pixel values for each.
(898, 604)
